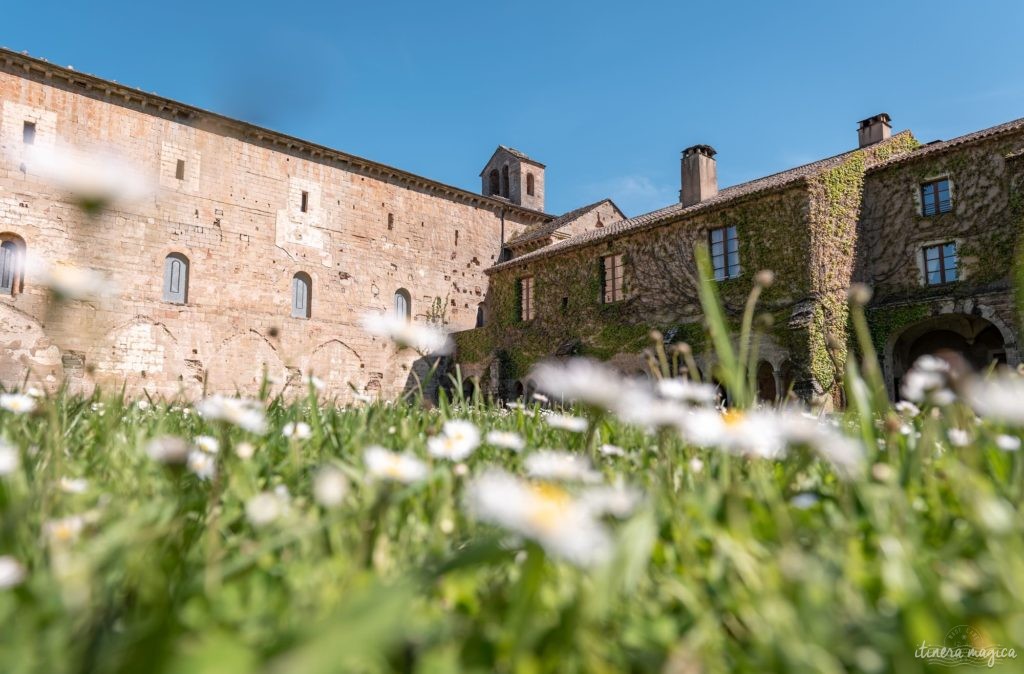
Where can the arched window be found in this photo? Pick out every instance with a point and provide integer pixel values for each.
(494, 188)
(529, 184)
(175, 278)
(480, 315)
(504, 181)
(11, 254)
(403, 304)
(302, 295)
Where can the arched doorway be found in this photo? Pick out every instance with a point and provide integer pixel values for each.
(964, 340)
(766, 389)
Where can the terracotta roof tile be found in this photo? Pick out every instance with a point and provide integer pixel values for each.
(549, 228)
(934, 148)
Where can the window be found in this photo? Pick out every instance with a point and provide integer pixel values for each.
(612, 269)
(526, 299)
(304, 205)
(493, 186)
(480, 315)
(176, 278)
(725, 252)
(529, 184)
(28, 133)
(403, 304)
(179, 170)
(504, 181)
(456, 237)
(940, 264)
(10, 266)
(935, 197)
(302, 295)
(391, 221)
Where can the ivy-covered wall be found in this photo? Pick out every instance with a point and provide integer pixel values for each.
(805, 232)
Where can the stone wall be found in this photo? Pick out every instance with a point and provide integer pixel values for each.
(236, 214)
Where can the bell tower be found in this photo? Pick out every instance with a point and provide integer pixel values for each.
(510, 174)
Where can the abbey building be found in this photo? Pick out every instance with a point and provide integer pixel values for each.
(257, 254)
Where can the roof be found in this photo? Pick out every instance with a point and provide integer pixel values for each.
(549, 228)
(518, 154)
(120, 94)
(676, 211)
(941, 146)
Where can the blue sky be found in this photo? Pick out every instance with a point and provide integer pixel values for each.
(605, 93)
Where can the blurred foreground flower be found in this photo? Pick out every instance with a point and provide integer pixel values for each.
(567, 527)
(550, 465)
(202, 464)
(999, 398)
(168, 449)
(10, 459)
(242, 412)
(70, 283)
(94, 179)
(579, 380)
(928, 380)
(330, 487)
(266, 507)
(207, 443)
(506, 440)
(12, 573)
(297, 430)
(567, 423)
(684, 390)
(19, 403)
(384, 464)
(456, 441)
(406, 333)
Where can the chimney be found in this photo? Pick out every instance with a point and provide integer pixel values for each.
(874, 129)
(698, 174)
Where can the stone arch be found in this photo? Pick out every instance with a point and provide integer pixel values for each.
(239, 362)
(965, 339)
(12, 263)
(336, 363)
(494, 185)
(141, 353)
(767, 391)
(25, 351)
(505, 185)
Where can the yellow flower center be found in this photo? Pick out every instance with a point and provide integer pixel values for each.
(549, 506)
(732, 417)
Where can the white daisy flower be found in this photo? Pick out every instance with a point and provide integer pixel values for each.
(406, 333)
(958, 437)
(506, 440)
(551, 465)
(12, 572)
(696, 465)
(927, 379)
(616, 500)
(907, 408)
(330, 487)
(202, 464)
(10, 459)
(567, 423)
(245, 450)
(386, 465)
(68, 282)
(207, 444)
(74, 485)
(997, 398)
(539, 397)
(684, 390)
(19, 403)
(579, 380)
(242, 412)
(1008, 443)
(611, 450)
(265, 508)
(94, 179)
(35, 392)
(168, 450)
(65, 529)
(637, 405)
(297, 430)
(566, 527)
(457, 440)
(317, 383)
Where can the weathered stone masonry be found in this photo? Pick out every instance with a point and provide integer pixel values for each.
(235, 213)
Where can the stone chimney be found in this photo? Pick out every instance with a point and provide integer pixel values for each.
(699, 175)
(874, 129)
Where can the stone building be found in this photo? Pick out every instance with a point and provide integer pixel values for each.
(257, 254)
(933, 229)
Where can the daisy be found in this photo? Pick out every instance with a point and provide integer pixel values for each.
(506, 440)
(1008, 443)
(297, 430)
(928, 379)
(551, 465)
(168, 450)
(207, 444)
(684, 390)
(65, 530)
(10, 459)
(264, 508)
(386, 465)
(202, 464)
(579, 380)
(958, 437)
(245, 450)
(242, 412)
(406, 333)
(94, 179)
(330, 487)
(616, 500)
(71, 485)
(567, 423)
(68, 282)
(611, 450)
(19, 403)
(12, 573)
(458, 439)
(564, 526)
(998, 398)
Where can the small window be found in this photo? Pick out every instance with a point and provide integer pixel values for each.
(456, 237)
(529, 184)
(391, 221)
(480, 315)
(493, 182)
(526, 311)
(302, 295)
(565, 305)
(179, 170)
(304, 205)
(935, 197)
(504, 181)
(10, 266)
(612, 285)
(403, 304)
(941, 264)
(175, 279)
(28, 133)
(725, 252)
